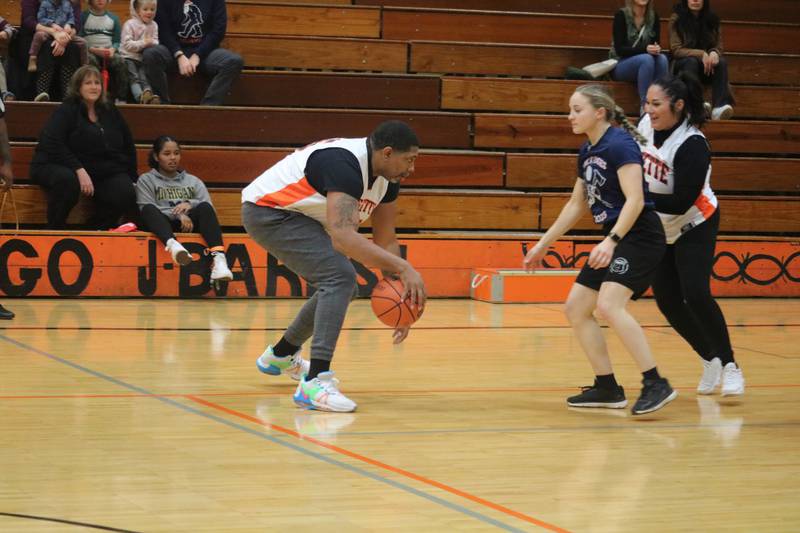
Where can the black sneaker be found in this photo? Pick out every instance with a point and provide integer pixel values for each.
(595, 396)
(656, 393)
(5, 314)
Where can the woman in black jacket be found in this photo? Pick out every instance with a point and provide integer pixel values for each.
(86, 148)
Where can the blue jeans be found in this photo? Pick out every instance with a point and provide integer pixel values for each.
(644, 69)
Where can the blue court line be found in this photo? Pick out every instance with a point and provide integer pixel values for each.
(280, 442)
(628, 426)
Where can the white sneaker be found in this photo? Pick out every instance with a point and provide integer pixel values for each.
(722, 113)
(732, 380)
(179, 254)
(712, 373)
(322, 393)
(294, 365)
(219, 268)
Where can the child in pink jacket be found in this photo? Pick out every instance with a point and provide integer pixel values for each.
(140, 32)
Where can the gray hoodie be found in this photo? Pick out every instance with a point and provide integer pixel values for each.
(165, 193)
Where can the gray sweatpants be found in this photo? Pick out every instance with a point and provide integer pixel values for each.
(304, 246)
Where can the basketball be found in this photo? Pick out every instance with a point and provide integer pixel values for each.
(387, 306)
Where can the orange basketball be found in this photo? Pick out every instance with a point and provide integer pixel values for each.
(387, 306)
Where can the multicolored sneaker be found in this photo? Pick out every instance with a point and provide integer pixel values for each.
(322, 393)
(271, 364)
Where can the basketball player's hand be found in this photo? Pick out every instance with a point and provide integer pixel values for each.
(533, 259)
(6, 177)
(601, 254)
(85, 182)
(186, 224)
(182, 208)
(415, 287)
(400, 334)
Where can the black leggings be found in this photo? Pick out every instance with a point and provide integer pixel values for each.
(114, 196)
(203, 217)
(683, 292)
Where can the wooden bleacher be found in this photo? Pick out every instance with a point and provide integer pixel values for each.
(469, 76)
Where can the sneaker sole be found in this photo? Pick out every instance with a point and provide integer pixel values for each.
(183, 258)
(738, 392)
(615, 405)
(313, 406)
(664, 402)
(273, 370)
(706, 392)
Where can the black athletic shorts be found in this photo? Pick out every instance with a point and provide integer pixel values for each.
(635, 258)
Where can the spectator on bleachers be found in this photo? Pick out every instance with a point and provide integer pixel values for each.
(86, 148)
(172, 200)
(54, 16)
(59, 58)
(102, 30)
(695, 38)
(6, 178)
(7, 32)
(190, 33)
(637, 32)
(139, 33)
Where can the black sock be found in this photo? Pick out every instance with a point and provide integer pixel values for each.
(284, 348)
(608, 382)
(317, 366)
(652, 374)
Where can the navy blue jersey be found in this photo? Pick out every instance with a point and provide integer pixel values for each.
(597, 167)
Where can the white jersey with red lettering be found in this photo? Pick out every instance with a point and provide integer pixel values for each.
(660, 176)
(285, 186)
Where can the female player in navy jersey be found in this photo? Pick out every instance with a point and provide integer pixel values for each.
(620, 267)
(677, 165)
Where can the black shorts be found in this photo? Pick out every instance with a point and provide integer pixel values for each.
(635, 258)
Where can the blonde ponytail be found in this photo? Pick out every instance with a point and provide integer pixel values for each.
(600, 98)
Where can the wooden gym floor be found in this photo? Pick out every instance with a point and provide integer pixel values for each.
(150, 416)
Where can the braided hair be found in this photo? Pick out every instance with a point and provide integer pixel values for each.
(600, 98)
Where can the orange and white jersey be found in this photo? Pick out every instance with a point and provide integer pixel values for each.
(660, 176)
(285, 185)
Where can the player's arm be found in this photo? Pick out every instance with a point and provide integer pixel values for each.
(343, 221)
(6, 175)
(570, 214)
(384, 232)
(630, 181)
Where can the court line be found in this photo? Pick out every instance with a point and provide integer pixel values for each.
(403, 392)
(366, 328)
(69, 522)
(737, 347)
(298, 448)
(381, 465)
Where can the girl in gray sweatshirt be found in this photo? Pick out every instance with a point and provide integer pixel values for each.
(171, 199)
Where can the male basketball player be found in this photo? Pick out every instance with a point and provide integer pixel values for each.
(305, 210)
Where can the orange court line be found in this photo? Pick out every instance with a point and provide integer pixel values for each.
(384, 466)
(356, 391)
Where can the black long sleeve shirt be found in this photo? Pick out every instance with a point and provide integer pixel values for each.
(103, 149)
(620, 34)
